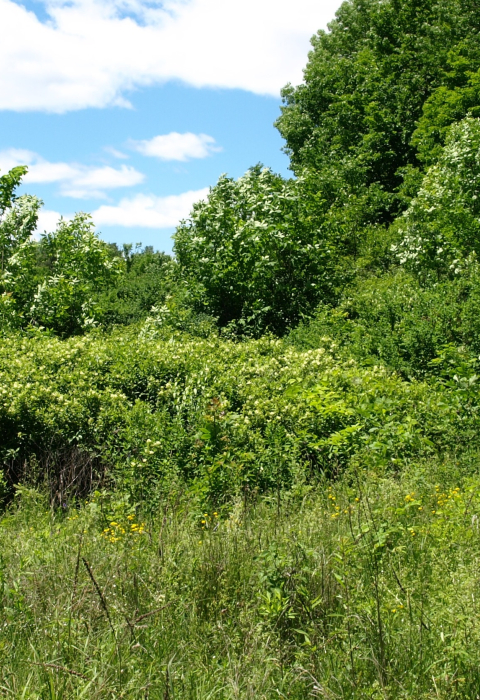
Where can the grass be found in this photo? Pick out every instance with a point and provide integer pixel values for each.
(362, 588)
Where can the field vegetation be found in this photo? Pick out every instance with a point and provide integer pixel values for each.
(251, 470)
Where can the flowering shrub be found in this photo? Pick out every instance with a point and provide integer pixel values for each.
(254, 253)
(440, 231)
(225, 418)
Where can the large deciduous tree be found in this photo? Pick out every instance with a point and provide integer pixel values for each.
(352, 119)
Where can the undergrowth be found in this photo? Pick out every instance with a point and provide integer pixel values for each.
(227, 419)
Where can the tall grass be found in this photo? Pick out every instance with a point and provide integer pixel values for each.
(362, 588)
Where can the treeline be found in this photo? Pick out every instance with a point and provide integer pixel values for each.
(383, 137)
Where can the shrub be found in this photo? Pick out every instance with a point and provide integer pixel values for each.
(440, 231)
(253, 254)
(220, 417)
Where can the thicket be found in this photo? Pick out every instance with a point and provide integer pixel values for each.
(228, 419)
(251, 469)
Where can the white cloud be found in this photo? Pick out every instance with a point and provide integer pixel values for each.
(114, 152)
(75, 180)
(149, 211)
(175, 146)
(91, 52)
(47, 221)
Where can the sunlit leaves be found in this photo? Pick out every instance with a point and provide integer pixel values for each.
(440, 231)
(256, 253)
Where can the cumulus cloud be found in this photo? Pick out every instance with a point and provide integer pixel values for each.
(175, 146)
(149, 211)
(75, 180)
(91, 52)
(47, 221)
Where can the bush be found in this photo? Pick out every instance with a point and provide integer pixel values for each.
(222, 418)
(440, 231)
(395, 321)
(254, 255)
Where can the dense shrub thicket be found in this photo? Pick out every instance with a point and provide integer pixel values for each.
(229, 419)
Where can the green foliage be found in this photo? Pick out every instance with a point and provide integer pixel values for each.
(449, 103)
(8, 184)
(147, 279)
(66, 281)
(221, 418)
(365, 589)
(393, 320)
(254, 255)
(178, 313)
(75, 250)
(440, 231)
(17, 224)
(51, 283)
(18, 220)
(366, 81)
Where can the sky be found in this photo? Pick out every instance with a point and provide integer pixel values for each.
(131, 109)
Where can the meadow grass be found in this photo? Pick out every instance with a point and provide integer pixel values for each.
(365, 587)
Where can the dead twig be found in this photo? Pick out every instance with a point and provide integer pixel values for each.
(57, 667)
(103, 602)
(149, 614)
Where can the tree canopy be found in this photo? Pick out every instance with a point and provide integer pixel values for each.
(366, 83)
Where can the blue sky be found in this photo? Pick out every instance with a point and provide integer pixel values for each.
(130, 110)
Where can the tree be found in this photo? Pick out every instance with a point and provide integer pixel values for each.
(458, 96)
(16, 222)
(53, 283)
(351, 121)
(78, 265)
(8, 184)
(147, 281)
(254, 252)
